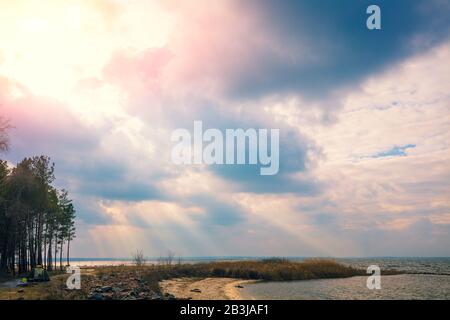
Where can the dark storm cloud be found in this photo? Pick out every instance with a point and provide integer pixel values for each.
(335, 34)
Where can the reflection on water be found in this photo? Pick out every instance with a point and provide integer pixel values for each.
(407, 286)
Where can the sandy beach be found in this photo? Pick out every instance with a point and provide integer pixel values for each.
(204, 289)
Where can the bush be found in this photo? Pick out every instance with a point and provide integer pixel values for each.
(138, 258)
(275, 270)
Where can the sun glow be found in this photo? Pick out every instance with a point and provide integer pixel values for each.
(50, 47)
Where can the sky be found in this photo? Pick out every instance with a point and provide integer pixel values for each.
(100, 85)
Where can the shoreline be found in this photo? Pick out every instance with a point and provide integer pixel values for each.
(212, 281)
(204, 288)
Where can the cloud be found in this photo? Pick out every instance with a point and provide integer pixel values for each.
(137, 73)
(43, 125)
(362, 118)
(247, 50)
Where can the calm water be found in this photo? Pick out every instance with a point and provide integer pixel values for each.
(408, 286)
(410, 265)
(430, 281)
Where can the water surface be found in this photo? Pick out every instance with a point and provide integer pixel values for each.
(427, 278)
(407, 286)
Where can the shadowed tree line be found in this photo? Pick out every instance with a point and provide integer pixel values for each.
(37, 221)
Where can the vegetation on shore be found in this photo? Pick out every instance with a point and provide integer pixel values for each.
(142, 281)
(36, 219)
(269, 270)
(51, 290)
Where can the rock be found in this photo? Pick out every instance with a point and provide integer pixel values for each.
(142, 295)
(105, 278)
(96, 296)
(133, 293)
(117, 289)
(196, 290)
(108, 296)
(106, 289)
(169, 296)
(130, 298)
(239, 286)
(156, 296)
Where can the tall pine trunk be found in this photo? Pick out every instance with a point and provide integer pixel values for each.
(49, 255)
(68, 251)
(39, 238)
(61, 255)
(56, 251)
(45, 252)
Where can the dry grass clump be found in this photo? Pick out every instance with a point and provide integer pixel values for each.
(273, 270)
(52, 290)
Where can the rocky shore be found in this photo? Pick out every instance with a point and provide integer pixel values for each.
(121, 286)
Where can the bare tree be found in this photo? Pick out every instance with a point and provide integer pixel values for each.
(138, 258)
(170, 257)
(4, 138)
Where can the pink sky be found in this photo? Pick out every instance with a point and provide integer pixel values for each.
(99, 86)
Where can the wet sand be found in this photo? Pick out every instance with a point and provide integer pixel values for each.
(204, 289)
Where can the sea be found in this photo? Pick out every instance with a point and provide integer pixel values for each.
(425, 279)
